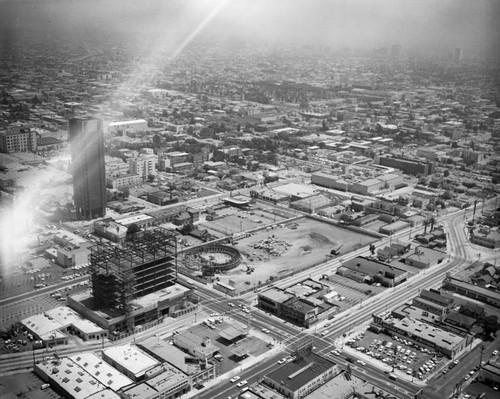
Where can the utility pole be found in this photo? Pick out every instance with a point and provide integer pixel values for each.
(481, 357)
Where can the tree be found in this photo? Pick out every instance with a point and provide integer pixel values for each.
(132, 230)
(157, 141)
(490, 325)
(187, 227)
(126, 192)
(151, 178)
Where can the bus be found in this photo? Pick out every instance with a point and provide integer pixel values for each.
(393, 377)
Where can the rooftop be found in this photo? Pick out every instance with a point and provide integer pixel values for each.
(131, 358)
(101, 371)
(176, 290)
(44, 327)
(134, 219)
(297, 190)
(71, 378)
(171, 354)
(168, 379)
(427, 332)
(372, 267)
(300, 372)
(67, 317)
(275, 295)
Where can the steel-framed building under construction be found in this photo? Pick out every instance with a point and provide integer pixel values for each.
(143, 265)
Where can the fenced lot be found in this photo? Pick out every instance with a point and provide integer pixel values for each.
(287, 248)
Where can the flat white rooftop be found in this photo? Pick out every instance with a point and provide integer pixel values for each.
(131, 358)
(101, 371)
(72, 378)
(134, 219)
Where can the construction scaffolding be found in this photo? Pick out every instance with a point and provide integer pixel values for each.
(119, 274)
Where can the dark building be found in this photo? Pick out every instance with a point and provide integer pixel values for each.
(409, 166)
(89, 178)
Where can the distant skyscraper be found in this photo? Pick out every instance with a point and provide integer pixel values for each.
(87, 154)
(458, 55)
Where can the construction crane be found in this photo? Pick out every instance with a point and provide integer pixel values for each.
(336, 251)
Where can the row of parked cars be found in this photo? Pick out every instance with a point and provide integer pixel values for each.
(399, 356)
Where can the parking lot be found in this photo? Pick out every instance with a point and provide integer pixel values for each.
(253, 345)
(404, 356)
(26, 386)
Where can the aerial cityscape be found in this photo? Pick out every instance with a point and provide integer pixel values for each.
(249, 199)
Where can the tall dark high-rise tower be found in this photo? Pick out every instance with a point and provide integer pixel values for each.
(87, 155)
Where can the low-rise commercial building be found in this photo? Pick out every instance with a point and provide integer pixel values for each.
(125, 180)
(442, 341)
(424, 258)
(54, 326)
(69, 379)
(393, 228)
(100, 370)
(367, 270)
(472, 291)
(124, 127)
(301, 304)
(300, 377)
(166, 383)
(129, 360)
(486, 237)
(161, 198)
(110, 230)
(73, 255)
(197, 346)
(490, 372)
(408, 165)
(198, 371)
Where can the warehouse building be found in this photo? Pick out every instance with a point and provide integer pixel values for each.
(129, 360)
(472, 291)
(162, 382)
(69, 379)
(367, 270)
(197, 371)
(300, 377)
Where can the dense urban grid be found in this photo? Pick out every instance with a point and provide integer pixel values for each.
(242, 220)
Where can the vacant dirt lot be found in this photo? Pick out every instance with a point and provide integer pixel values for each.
(284, 250)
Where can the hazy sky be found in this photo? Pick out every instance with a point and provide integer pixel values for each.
(470, 24)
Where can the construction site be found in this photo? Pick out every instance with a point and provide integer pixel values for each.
(146, 264)
(287, 248)
(133, 285)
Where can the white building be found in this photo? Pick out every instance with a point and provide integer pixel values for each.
(69, 377)
(101, 371)
(138, 125)
(143, 165)
(130, 360)
(18, 140)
